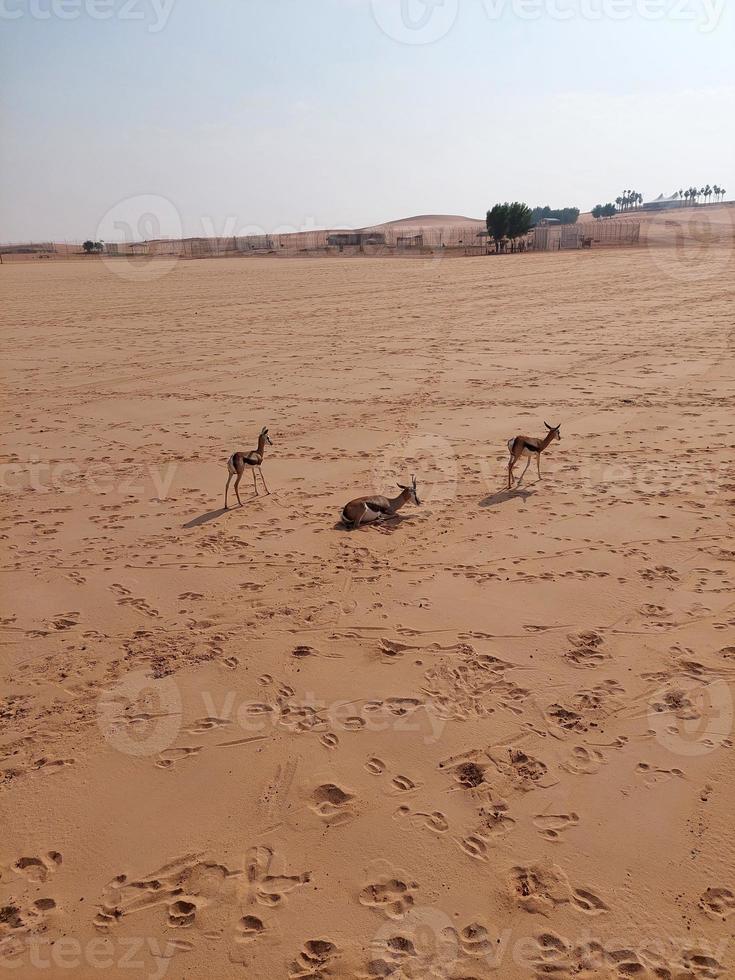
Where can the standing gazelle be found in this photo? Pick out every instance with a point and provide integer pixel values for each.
(363, 510)
(526, 446)
(238, 461)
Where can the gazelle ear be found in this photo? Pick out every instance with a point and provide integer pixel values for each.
(548, 426)
(401, 486)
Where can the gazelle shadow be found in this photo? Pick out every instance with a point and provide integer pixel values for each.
(211, 515)
(387, 526)
(502, 496)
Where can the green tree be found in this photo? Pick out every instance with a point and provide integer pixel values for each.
(497, 223)
(519, 220)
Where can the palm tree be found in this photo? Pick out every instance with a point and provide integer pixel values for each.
(619, 202)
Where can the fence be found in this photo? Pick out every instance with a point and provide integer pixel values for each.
(588, 233)
(468, 239)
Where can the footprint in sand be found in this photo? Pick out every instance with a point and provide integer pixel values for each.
(542, 888)
(435, 821)
(248, 929)
(169, 758)
(313, 960)
(269, 889)
(652, 774)
(552, 825)
(208, 724)
(332, 804)
(583, 761)
(718, 902)
(392, 896)
(37, 869)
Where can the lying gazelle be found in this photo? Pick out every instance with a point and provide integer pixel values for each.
(525, 446)
(238, 461)
(364, 510)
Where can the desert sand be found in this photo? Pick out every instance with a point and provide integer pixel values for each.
(491, 738)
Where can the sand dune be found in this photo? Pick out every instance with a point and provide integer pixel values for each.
(492, 738)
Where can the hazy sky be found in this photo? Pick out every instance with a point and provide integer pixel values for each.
(229, 116)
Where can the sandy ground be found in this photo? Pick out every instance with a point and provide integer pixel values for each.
(492, 738)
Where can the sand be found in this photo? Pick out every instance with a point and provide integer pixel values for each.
(492, 738)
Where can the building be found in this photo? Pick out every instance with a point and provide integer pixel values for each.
(360, 238)
(662, 203)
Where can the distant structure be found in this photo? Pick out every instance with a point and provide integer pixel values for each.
(342, 238)
(662, 203)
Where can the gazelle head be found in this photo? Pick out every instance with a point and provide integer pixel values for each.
(412, 494)
(264, 435)
(554, 429)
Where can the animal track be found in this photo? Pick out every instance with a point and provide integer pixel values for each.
(718, 902)
(583, 761)
(313, 960)
(248, 929)
(267, 888)
(552, 825)
(171, 757)
(392, 896)
(332, 804)
(36, 869)
(586, 650)
(541, 889)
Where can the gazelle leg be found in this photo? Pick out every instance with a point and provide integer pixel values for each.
(255, 485)
(263, 479)
(520, 478)
(511, 464)
(356, 522)
(538, 464)
(227, 486)
(237, 492)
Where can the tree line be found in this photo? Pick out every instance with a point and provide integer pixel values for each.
(631, 199)
(692, 194)
(566, 216)
(508, 221)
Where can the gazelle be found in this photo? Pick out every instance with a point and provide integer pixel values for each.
(364, 510)
(238, 461)
(526, 446)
